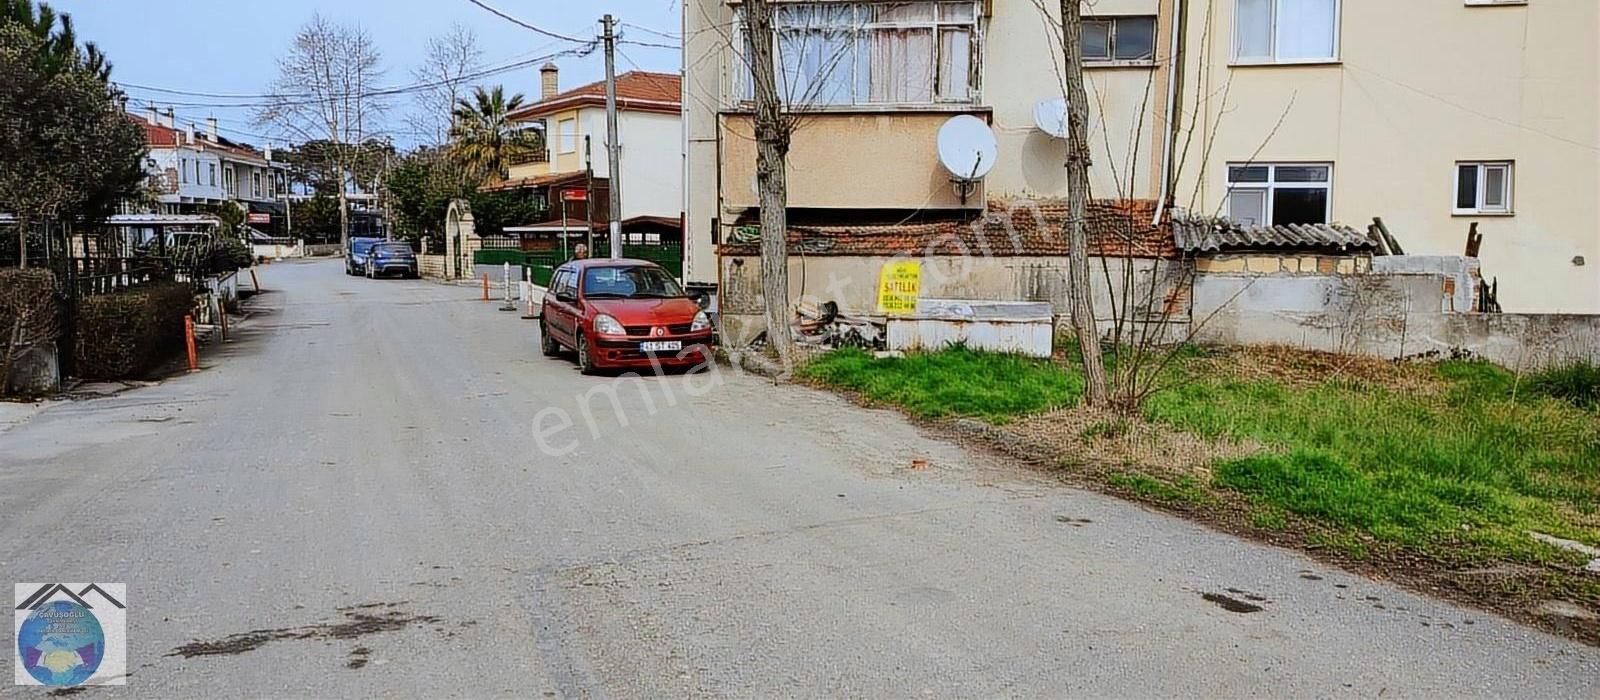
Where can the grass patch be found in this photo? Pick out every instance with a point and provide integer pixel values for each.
(1577, 384)
(958, 381)
(1467, 470)
(1184, 489)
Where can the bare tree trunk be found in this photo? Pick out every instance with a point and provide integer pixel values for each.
(22, 240)
(344, 216)
(772, 148)
(1078, 282)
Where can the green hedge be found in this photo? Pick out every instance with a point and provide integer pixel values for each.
(132, 332)
(498, 256)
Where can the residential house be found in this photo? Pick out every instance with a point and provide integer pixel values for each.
(574, 162)
(195, 171)
(1279, 112)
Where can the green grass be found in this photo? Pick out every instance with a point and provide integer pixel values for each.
(1577, 384)
(991, 386)
(1472, 468)
(1184, 489)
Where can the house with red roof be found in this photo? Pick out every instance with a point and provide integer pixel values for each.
(195, 171)
(572, 175)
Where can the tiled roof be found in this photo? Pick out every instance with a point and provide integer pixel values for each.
(1028, 227)
(1198, 234)
(640, 90)
(156, 135)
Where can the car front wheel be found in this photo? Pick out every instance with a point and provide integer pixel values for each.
(585, 361)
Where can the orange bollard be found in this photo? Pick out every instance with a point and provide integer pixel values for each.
(254, 281)
(485, 286)
(188, 341)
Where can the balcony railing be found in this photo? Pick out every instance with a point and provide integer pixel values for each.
(539, 156)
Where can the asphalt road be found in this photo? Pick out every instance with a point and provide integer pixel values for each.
(351, 500)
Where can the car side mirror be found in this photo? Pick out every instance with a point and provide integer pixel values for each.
(701, 299)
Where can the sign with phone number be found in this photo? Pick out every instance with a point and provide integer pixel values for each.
(899, 285)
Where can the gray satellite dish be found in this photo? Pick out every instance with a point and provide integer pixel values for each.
(967, 148)
(1050, 115)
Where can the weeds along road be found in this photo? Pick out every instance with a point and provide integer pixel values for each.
(351, 500)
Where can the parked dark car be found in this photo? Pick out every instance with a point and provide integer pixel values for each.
(622, 314)
(355, 258)
(391, 258)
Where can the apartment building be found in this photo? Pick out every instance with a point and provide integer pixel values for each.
(194, 171)
(1433, 114)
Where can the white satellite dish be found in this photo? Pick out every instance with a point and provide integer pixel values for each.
(967, 148)
(1050, 115)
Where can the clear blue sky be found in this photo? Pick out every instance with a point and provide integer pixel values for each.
(227, 46)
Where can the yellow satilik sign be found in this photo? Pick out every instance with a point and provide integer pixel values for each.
(898, 287)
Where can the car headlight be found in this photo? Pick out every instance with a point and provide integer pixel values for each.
(606, 325)
(701, 322)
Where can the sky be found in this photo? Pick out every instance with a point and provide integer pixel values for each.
(231, 46)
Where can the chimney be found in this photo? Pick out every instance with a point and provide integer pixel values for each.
(152, 116)
(211, 128)
(169, 119)
(549, 81)
(188, 133)
(266, 152)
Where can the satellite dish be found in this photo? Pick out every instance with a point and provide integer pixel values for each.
(1050, 115)
(967, 148)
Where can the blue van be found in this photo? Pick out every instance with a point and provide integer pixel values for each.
(355, 259)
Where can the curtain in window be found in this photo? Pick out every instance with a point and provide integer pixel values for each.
(955, 63)
(1305, 29)
(1253, 29)
(901, 65)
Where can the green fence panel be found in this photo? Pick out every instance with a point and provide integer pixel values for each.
(497, 256)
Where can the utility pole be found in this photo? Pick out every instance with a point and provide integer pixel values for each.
(612, 147)
(588, 195)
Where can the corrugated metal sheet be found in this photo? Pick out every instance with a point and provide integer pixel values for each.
(1025, 328)
(1208, 235)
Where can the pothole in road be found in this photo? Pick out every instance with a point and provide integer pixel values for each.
(358, 621)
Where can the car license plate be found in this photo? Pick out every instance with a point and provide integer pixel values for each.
(661, 346)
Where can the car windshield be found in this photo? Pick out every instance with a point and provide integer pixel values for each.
(636, 282)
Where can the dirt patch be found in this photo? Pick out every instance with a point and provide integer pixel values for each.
(1088, 436)
(358, 621)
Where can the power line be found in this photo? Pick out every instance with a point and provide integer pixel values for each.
(527, 26)
(647, 30)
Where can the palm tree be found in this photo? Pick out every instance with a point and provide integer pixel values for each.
(484, 142)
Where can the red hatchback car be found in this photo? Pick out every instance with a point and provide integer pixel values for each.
(619, 314)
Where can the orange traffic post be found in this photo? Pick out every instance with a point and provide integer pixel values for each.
(254, 281)
(188, 341)
(485, 286)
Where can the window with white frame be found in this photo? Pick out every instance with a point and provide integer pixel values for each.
(255, 184)
(1483, 187)
(1278, 194)
(228, 182)
(1130, 38)
(211, 170)
(183, 169)
(567, 130)
(852, 53)
(1285, 31)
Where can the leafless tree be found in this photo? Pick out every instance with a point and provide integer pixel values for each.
(772, 133)
(327, 89)
(444, 72)
(1080, 291)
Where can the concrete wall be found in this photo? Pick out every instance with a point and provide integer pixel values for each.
(852, 283)
(652, 164)
(1391, 315)
(1418, 86)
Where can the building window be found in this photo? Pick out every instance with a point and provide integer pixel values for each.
(197, 179)
(183, 169)
(567, 130)
(228, 182)
(1286, 31)
(1280, 194)
(212, 171)
(1119, 39)
(255, 184)
(840, 53)
(1483, 188)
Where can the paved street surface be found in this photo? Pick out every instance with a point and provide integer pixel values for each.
(350, 501)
